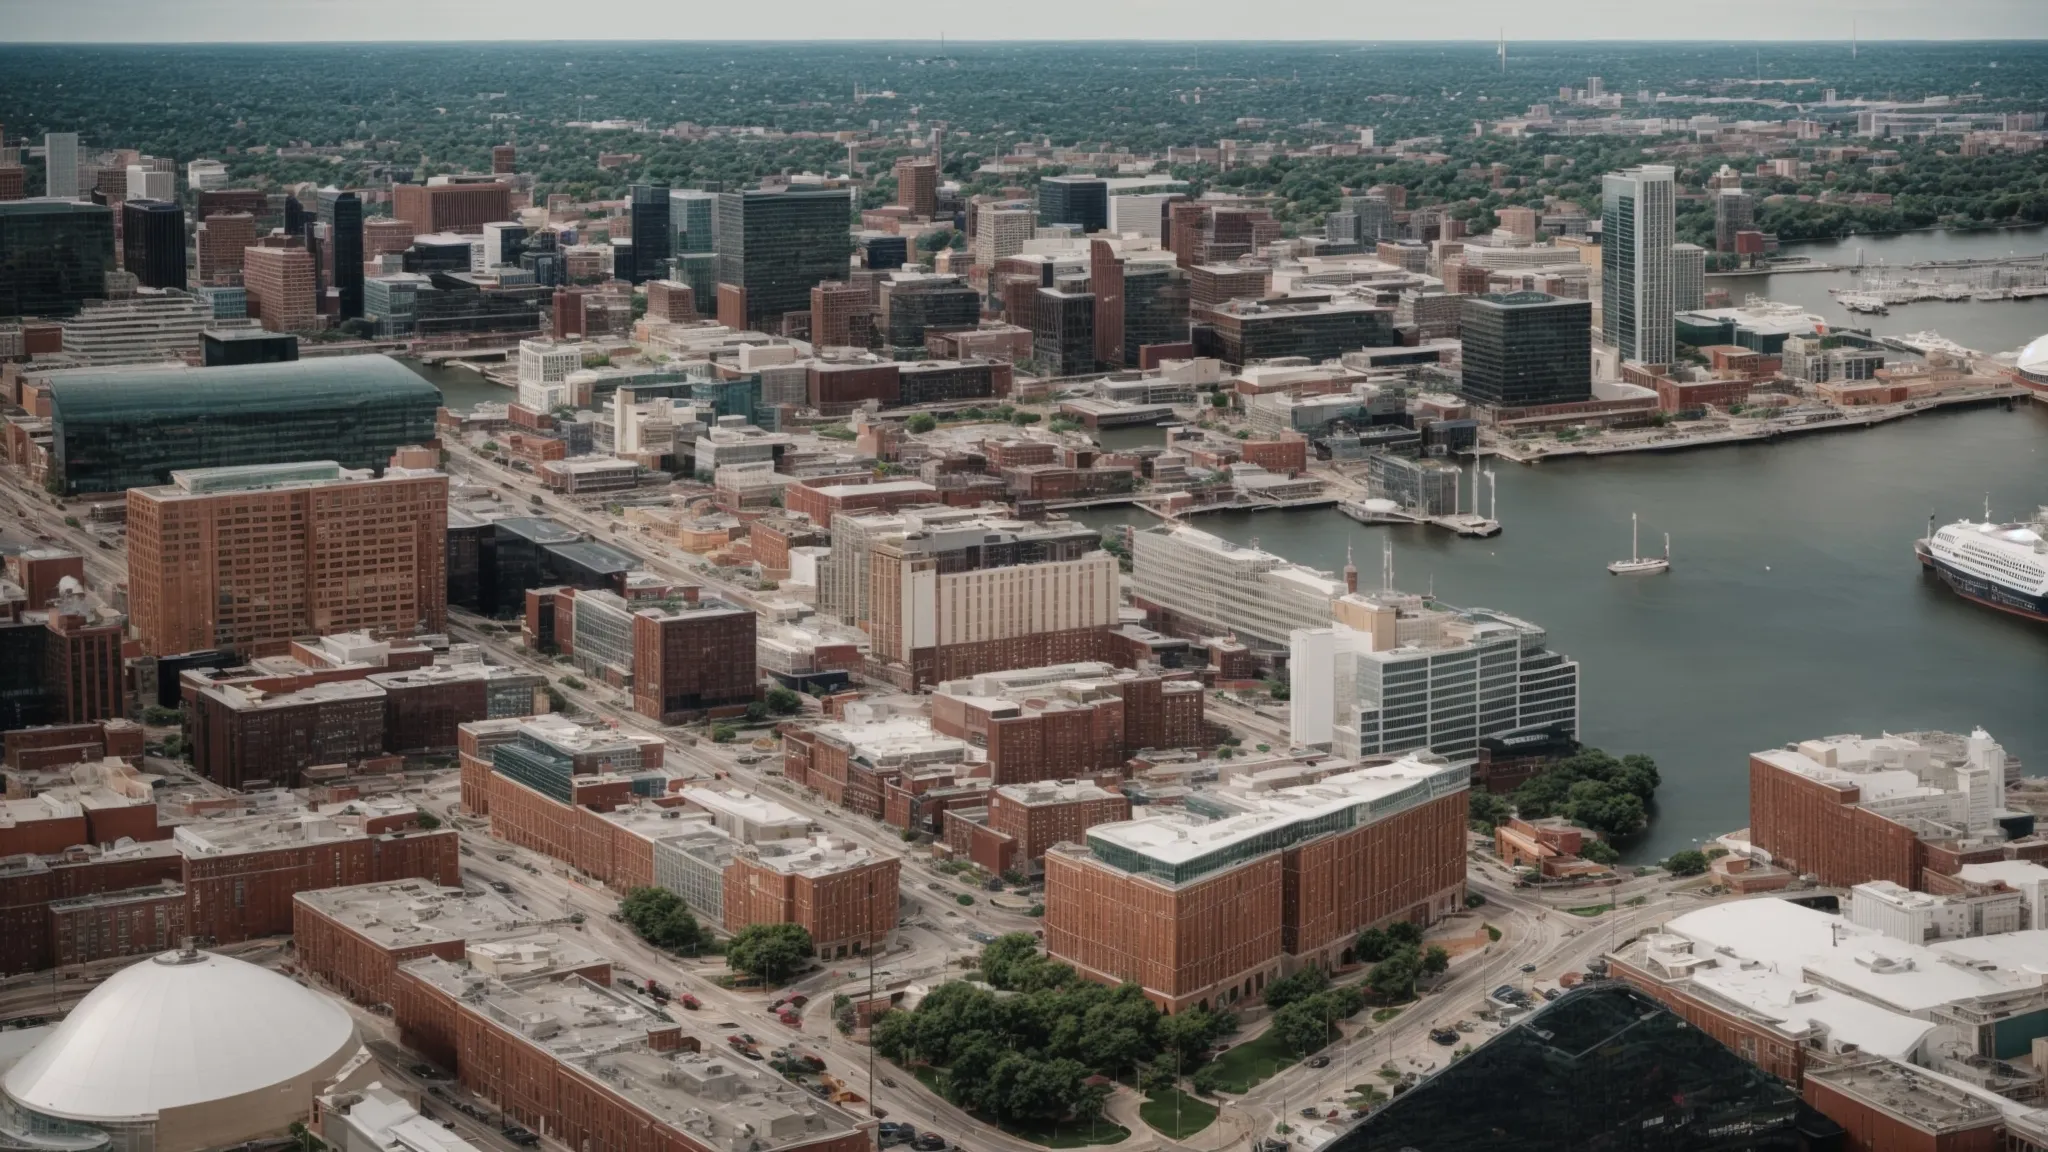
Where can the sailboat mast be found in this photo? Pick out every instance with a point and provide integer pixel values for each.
(1667, 547)
(1635, 551)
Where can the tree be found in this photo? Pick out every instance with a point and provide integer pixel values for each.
(1190, 1033)
(1373, 946)
(723, 733)
(756, 712)
(1301, 1028)
(1405, 933)
(784, 702)
(1006, 959)
(1436, 961)
(1599, 852)
(772, 952)
(921, 423)
(1394, 977)
(1486, 810)
(428, 821)
(1687, 862)
(1300, 986)
(660, 917)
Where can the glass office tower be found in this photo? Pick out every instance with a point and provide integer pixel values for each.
(647, 206)
(54, 256)
(342, 212)
(1526, 348)
(779, 243)
(153, 242)
(1638, 225)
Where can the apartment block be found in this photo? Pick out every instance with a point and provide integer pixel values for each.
(218, 246)
(243, 738)
(844, 895)
(693, 658)
(604, 1071)
(1205, 906)
(355, 938)
(849, 762)
(1197, 585)
(917, 185)
(249, 557)
(1848, 809)
(1020, 822)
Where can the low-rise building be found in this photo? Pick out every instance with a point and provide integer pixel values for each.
(1020, 822)
(1068, 720)
(843, 894)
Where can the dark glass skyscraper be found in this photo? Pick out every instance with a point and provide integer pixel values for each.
(648, 208)
(1155, 307)
(54, 255)
(153, 242)
(1063, 341)
(779, 243)
(1082, 200)
(342, 212)
(1526, 348)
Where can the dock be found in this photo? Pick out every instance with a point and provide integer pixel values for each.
(1459, 523)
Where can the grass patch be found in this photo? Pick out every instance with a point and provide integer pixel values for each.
(1591, 910)
(1382, 1015)
(1492, 933)
(1158, 1112)
(1066, 1134)
(1251, 1062)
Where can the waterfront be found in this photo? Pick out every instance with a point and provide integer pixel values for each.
(1794, 609)
(461, 389)
(1987, 326)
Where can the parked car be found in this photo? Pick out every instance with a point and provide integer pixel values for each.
(501, 888)
(929, 1142)
(1311, 1113)
(1528, 967)
(1444, 1036)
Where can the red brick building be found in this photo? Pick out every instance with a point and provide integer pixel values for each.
(692, 659)
(1886, 1106)
(845, 896)
(1067, 721)
(464, 208)
(1021, 821)
(822, 502)
(1207, 913)
(32, 750)
(836, 389)
(1288, 454)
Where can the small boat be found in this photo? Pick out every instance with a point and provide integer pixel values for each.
(1638, 564)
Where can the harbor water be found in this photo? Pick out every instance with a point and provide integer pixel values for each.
(1794, 607)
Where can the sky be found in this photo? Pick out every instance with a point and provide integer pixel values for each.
(167, 21)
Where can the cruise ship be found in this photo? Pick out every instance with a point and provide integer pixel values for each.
(2003, 566)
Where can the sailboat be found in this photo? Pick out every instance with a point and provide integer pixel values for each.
(1638, 564)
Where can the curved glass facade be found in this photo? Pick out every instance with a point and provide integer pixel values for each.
(128, 429)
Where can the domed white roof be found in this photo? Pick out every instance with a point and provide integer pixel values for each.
(176, 1030)
(2034, 357)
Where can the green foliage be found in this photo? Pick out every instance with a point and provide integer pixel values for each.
(773, 952)
(835, 432)
(921, 423)
(660, 917)
(1687, 862)
(1436, 961)
(724, 733)
(1300, 986)
(1592, 788)
(71, 521)
(1373, 946)
(1492, 934)
(1486, 809)
(784, 702)
(963, 899)
(1405, 933)
(573, 684)
(1475, 900)
(1394, 977)
(756, 712)
(428, 821)
(1025, 419)
(159, 716)
(1219, 399)
(1599, 852)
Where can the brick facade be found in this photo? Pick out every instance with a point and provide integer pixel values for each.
(1811, 827)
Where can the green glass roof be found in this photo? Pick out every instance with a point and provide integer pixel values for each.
(294, 385)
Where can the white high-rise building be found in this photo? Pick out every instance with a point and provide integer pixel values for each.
(1222, 587)
(544, 368)
(1396, 673)
(1637, 293)
(60, 162)
(1688, 278)
(146, 183)
(1001, 230)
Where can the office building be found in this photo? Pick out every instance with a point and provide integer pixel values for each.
(913, 303)
(222, 346)
(1077, 200)
(1392, 672)
(1206, 906)
(1637, 288)
(1156, 302)
(1243, 331)
(544, 369)
(1688, 277)
(647, 211)
(249, 557)
(692, 657)
(842, 316)
(54, 256)
(1199, 585)
(983, 595)
(504, 159)
(1013, 830)
(1849, 809)
(132, 427)
(843, 894)
(154, 325)
(917, 186)
(1001, 230)
(281, 283)
(60, 166)
(13, 181)
(1067, 721)
(1734, 212)
(775, 244)
(1524, 349)
(342, 213)
(690, 215)
(153, 242)
(217, 246)
(463, 208)
(1063, 333)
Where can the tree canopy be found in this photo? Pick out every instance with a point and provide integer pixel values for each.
(773, 952)
(660, 917)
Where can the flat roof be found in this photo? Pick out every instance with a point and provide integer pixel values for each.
(819, 855)
(405, 913)
(1920, 1098)
(743, 805)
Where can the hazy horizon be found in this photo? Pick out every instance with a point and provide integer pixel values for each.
(152, 22)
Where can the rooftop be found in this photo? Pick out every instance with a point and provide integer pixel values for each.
(226, 836)
(1929, 1102)
(407, 913)
(817, 856)
(1055, 792)
(333, 691)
